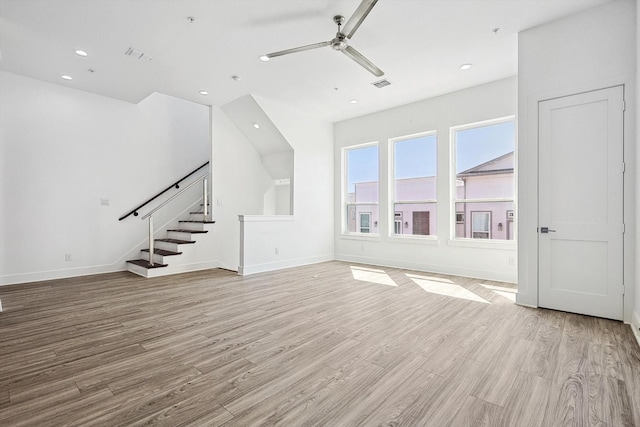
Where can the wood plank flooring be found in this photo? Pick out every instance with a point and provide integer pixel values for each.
(332, 344)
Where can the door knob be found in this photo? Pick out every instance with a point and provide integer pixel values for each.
(546, 230)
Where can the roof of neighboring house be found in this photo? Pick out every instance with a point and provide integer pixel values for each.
(492, 167)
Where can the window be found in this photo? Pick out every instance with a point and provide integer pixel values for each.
(481, 225)
(398, 223)
(484, 163)
(361, 189)
(365, 222)
(413, 190)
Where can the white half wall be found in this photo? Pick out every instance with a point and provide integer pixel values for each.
(306, 236)
(583, 52)
(489, 260)
(73, 163)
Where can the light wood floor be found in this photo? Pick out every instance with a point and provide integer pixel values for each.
(332, 344)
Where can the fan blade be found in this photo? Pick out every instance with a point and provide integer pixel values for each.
(358, 16)
(357, 56)
(298, 49)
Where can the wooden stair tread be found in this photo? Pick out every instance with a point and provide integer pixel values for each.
(176, 241)
(182, 230)
(162, 252)
(144, 263)
(199, 222)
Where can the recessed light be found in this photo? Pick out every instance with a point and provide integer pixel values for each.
(256, 125)
(354, 101)
(264, 58)
(203, 92)
(81, 53)
(67, 77)
(465, 66)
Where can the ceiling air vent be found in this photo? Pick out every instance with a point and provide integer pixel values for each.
(135, 53)
(381, 83)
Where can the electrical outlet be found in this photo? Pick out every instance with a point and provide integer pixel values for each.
(219, 202)
(67, 257)
(104, 202)
(512, 261)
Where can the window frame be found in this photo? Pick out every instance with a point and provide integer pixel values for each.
(453, 186)
(345, 194)
(392, 188)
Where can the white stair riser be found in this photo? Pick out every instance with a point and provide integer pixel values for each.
(140, 271)
(185, 236)
(159, 259)
(196, 226)
(167, 246)
(192, 226)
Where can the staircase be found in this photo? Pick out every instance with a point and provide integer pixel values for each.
(175, 252)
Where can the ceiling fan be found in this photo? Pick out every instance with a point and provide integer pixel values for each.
(339, 43)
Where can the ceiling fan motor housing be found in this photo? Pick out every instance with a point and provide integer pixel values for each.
(339, 43)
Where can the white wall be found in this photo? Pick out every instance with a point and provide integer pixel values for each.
(635, 321)
(64, 150)
(489, 260)
(306, 236)
(590, 50)
(240, 182)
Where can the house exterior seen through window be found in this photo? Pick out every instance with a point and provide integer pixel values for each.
(484, 180)
(482, 184)
(414, 184)
(361, 193)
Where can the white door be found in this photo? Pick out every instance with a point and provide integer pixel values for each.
(580, 233)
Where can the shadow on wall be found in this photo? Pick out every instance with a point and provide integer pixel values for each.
(275, 151)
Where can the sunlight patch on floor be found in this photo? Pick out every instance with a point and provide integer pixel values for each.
(372, 275)
(440, 286)
(508, 293)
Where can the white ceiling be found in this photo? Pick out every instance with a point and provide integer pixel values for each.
(420, 45)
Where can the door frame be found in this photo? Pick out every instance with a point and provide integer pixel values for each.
(527, 187)
(610, 232)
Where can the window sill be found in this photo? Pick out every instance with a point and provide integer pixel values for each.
(370, 237)
(415, 240)
(509, 245)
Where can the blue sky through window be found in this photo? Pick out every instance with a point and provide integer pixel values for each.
(476, 146)
(415, 157)
(362, 165)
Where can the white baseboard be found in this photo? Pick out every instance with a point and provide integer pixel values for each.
(39, 276)
(245, 270)
(0, 306)
(182, 268)
(462, 272)
(526, 305)
(635, 325)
